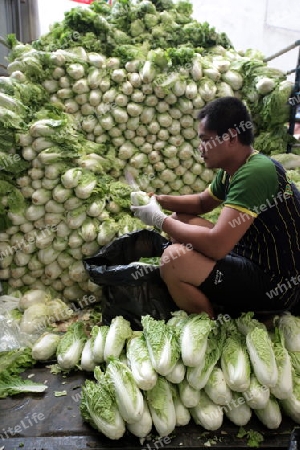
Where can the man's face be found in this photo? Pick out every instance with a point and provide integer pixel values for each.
(212, 147)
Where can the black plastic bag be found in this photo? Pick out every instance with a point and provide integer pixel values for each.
(131, 289)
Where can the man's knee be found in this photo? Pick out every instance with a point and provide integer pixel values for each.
(172, 257)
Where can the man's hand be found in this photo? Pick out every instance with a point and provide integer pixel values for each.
(150, 214)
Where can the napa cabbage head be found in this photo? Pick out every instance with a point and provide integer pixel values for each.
(262, 356)
(70, 346)
(235, 362)
(99, 408)
(193, 339)
(289, 325)
(162, 344)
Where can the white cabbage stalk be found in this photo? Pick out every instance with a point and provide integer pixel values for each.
(88, 123)
(76, 71)
(85, 187)
(271, 415)
(36, 173)
(17, 219)
(177, 374)
(217, 389)
(34, 319)
(206, 413)
(76, 253)
(96, 207)
(36, 184)
(73, 292)
(81, 99)
(262, 356)
(21, 258)
(95, 97)
(53, 270)
(41, 143)
(196, 69)
(264, 85)
(161, 406)
(45, 346)
(60, 194)
(284, 386)
(75, 240)
(5, 262)
(34, 264)
(87, 361)
(96, 60)
(129, 398)
(235, 363)
(28, 153)
(193, 339)
(12, 230)
(98, 336)
(72, 203)
(234, 79)
(60, 244)
(54, 171)
(41, 196)
(43, 240)
(140, 363)
(183, 415)
(24, 139)
(77, 272)
(188, 395)
(58, 72)
(62, 230)
(237, 411)
(64, 82)
(119, 331)
(23, 181)
(47, 255)
(89, 230)
(64, 260)
(75, 218)
(132, 66)
(291, 404)
(71, 178)
(53, 207)
(289, 326)
(89, 248)
(143, 426)
(257, 395)
(70, 346)
(18, 272)
(162, 344)
(65, 277)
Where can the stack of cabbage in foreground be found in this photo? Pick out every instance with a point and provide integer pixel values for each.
(109, 92)
(187, 368)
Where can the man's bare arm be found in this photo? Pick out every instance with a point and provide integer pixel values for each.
(195, 204)
(215, 242)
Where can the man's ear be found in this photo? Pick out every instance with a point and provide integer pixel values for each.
(233, 136)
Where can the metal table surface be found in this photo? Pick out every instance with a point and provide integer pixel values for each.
(49, 422)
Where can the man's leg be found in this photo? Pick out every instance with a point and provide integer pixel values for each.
(183, 270)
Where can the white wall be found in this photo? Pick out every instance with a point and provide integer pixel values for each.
(53, 11)
(266, 25)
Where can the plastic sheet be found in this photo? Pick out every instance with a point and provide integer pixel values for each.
(130, 288)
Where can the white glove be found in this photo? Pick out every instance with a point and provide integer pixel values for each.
(150, 214)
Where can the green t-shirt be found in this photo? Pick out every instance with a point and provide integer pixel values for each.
(252, 187)
(260, 188)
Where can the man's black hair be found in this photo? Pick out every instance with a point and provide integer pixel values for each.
(225, 113)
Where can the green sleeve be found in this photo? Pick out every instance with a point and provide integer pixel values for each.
(253, 188)
(217, 186)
